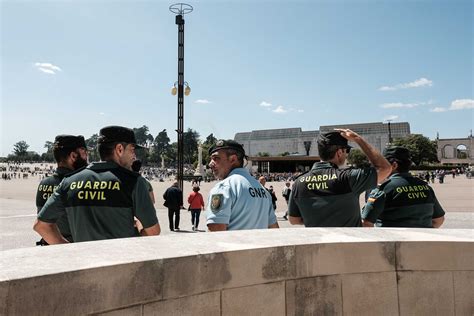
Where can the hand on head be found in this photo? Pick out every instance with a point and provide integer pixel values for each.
(348, 134)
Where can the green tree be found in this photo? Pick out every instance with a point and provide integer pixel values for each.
(210, 140)
(48, 155)
(91, 144)
(143, 137)
(172, 153)
(190, 146)
(357, 158)
(422, 149)
(161, 146)
(263, 154)
(20, 149)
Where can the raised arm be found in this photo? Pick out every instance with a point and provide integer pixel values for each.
(378, 161)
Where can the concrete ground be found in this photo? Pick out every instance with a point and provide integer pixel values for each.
(18, 211)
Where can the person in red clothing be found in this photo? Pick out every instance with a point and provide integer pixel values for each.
(196, 204)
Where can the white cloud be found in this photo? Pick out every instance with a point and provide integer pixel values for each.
(438, 109)
(47, 68)
(101, 113)
(400, 105)
(422, 82)
(390, 118)
(202, 101)
(280, 109)
(47, 71)
(462, 104)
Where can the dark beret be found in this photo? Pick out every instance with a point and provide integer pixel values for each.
(117, 134)
(397, 152)
(226, 144)
(333, 138)
(69, 141)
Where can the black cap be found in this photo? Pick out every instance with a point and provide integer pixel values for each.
(69, 141)
(226, 144)
(333, 138)
(117, 134)
(397, 152)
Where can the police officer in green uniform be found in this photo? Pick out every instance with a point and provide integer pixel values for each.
(102, 199)
(70, 154)
(328, 195)
(402, 200)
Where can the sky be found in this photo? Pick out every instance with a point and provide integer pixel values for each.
(73, 67)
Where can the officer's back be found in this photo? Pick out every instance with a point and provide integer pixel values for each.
(70, 153)
(328, 195)
(102, 200)
(402, 200)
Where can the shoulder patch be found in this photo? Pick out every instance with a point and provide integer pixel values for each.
(216, 202)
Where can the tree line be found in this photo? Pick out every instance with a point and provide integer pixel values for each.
(423, 150)
(159, 146)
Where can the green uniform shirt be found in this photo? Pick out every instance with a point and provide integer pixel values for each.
(402, 201)
(45, 189)
(327, 196)
(100, 202)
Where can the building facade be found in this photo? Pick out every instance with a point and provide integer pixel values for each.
(456, 150)
(294, 141)
(292, 144)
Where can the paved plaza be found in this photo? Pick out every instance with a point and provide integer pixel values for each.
(18, 211)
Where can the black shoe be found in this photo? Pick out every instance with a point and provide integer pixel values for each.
(172, 229)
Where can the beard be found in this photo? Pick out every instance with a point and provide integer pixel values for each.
(79, 163)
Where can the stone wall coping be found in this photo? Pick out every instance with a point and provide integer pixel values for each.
(40, 261)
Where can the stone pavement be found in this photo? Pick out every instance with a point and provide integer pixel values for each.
(18, 211)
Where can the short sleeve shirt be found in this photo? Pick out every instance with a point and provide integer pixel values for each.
(101, 201)
(327, 196)
(402, 201)
(241, 202)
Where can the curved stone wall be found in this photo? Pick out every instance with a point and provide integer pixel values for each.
(266, 272)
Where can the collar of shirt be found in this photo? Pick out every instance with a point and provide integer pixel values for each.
(62, 171)
(401, 175)
(102, 165)
(239, 171)
(323, 165)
